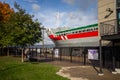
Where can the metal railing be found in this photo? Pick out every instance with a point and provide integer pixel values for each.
(108, 28)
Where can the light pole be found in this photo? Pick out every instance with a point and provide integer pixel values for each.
(100, 51)
(43, 45)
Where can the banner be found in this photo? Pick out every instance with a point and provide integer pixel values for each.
(93, 54)
(56, 53)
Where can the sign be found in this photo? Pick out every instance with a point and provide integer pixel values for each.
(93, 54)
(56, 53)
(38, 50)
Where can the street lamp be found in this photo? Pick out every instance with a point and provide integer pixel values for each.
(43, 45)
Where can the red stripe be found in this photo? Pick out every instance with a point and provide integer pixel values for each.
(83, 35)
(79, 35)
(55, 37)
(51, 36)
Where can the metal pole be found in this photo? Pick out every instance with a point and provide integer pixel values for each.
(84, 54)
(100, 51)
(113, 58)
(70, 49)
(43, 39)
(36, 53)
(53, 53)
(60, 50)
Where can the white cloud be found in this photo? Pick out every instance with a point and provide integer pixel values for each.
(70, 19)
(83, 5)
(74, 19)
(35, 7)
(48, 19)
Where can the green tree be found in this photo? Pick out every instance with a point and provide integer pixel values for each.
(25, 30)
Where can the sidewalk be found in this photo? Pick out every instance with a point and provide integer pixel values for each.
(75, 71)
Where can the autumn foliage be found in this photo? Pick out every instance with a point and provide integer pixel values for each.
(17, 27)
(5, 12)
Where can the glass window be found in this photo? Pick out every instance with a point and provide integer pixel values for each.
(118, 14)
(118, 3)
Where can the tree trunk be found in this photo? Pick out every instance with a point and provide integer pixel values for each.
(22, 55)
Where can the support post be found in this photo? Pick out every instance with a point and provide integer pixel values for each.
(36, 54)
(84, 56)
(71, 55)
(32, 52)
(113, 59)
(100, 54)
(60, 50)
(29, 51)
(45, 52)
(40, 51)
(53, 54)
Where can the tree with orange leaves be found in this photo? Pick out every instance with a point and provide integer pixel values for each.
(18, 28)
(5, 12)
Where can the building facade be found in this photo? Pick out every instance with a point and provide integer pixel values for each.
(109, 30)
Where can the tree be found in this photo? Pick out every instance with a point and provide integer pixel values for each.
(19, 28)
(25, 30)
(5, 12)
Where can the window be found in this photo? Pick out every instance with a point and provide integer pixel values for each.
(88, 29)
(118, 15)
(83, 30)
(96, 28)
(91, 29)
(76, 32)
(118, 3)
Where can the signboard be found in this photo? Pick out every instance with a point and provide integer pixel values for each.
(38, 50)
(93, 54)
(56, 53)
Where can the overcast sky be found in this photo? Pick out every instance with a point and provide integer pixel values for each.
(72, 13)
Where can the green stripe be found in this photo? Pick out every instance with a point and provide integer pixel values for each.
(79, 28)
